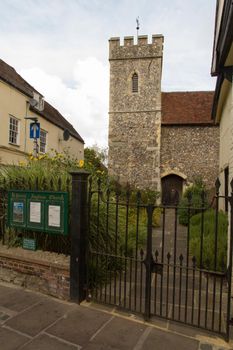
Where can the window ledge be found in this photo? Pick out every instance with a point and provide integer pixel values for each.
(14, 144)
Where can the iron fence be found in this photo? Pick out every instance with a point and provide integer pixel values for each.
(157, 267)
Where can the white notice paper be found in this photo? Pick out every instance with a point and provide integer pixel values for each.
(35, 212)
(54, 215)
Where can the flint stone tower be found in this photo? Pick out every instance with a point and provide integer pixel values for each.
(135, 111)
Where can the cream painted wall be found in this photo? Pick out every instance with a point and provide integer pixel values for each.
(226, 140)
(13, 102)
(226, 151)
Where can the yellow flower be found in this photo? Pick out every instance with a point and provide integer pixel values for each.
(21, 163)
(31, 157)
(81, 163)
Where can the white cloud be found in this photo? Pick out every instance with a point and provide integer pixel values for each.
(85, 104)
(61, 47)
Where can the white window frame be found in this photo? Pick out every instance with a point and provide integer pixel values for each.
(43, 143)
(14, 130)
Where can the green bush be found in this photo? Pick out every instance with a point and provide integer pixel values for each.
(208, 258)
(192, 202)
(101, 238)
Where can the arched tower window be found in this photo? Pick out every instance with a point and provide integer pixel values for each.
(135, 82)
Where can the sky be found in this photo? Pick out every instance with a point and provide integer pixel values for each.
(61, 48)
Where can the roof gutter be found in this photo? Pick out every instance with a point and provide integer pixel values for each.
(225, 38)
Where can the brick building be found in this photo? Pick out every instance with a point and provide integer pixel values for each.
(157, 140)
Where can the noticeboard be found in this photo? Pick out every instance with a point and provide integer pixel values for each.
(38, 211)
(29, 244)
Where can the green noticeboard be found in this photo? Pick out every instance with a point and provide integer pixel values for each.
(38, 211)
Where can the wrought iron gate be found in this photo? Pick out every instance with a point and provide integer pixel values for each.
(141, 259)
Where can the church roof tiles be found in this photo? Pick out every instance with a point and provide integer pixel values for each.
(187, 107)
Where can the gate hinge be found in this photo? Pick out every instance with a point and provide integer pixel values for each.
(231, 322)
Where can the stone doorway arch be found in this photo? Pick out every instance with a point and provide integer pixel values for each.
(172, 188)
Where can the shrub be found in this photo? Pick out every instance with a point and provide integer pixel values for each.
(194, 197)
(34, 172)
(108, 234)
(209, 239)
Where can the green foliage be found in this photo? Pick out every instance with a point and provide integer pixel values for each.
(209, 239)
(52, 167)
(92, 159)
(105, 238)
(195, 193)
(149, 197)
(41, 170)
(115, 235)
(12, 237)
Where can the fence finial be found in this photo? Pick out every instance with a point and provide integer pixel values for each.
(231, 183)
(217, 185)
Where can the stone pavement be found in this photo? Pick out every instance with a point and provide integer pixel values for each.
(32, 321)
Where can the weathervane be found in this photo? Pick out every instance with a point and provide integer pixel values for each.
(137, 21)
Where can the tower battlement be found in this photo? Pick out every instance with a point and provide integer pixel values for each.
(136, 47)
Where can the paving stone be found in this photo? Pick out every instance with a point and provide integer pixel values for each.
(120, 334)
(188, 330)
(206, 347)
(166, 340)
(83, 326)
(10, 340)
(3, 316)
(79, 325)
(5, 290)
(44, 342)
(17, 299)
(39, 317)
(98, 347)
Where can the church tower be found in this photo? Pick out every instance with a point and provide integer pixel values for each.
(135, 111)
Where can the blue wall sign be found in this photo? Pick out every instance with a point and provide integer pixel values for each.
(34, 130)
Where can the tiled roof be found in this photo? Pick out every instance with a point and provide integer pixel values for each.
(187, 107)
(52, 115)
(9, 75)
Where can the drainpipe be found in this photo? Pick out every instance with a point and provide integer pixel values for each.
(25, 129)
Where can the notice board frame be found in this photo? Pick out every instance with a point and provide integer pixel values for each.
(33, 210)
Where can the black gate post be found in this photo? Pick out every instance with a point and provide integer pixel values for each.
(79, 232)
(229, 272)
(148, 262)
